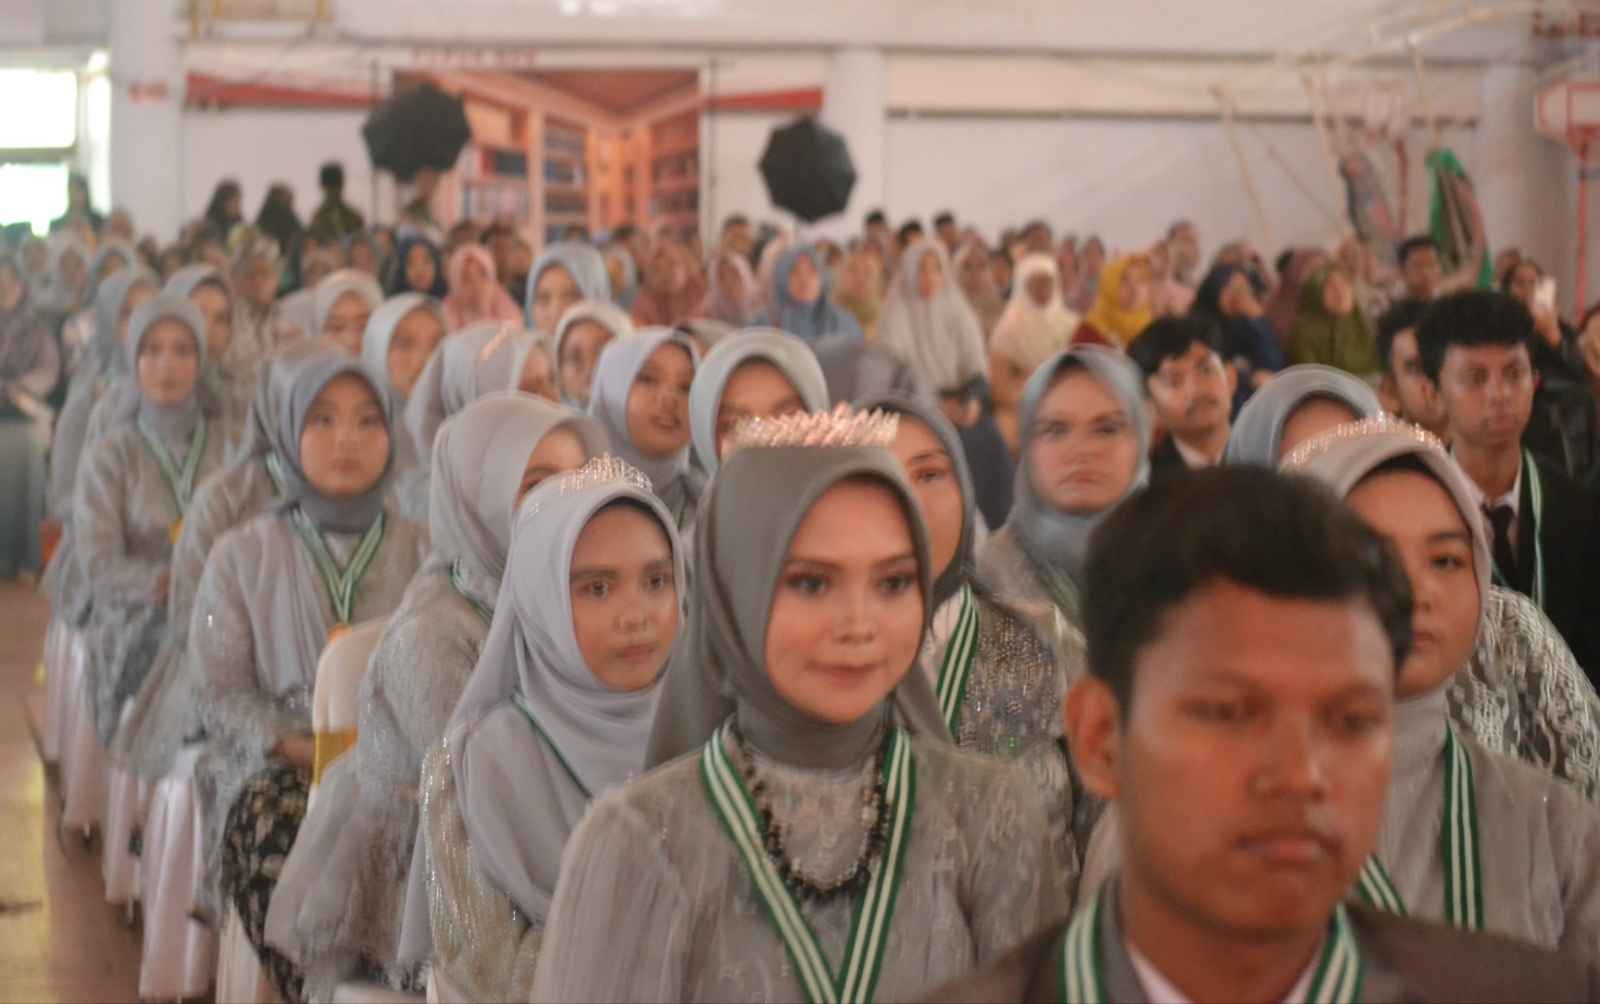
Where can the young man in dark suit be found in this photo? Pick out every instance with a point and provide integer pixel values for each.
(1476, 348)
(1190, 388)
(1244, 638)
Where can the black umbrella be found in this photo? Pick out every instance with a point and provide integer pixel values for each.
(807, 169)
(417, 128)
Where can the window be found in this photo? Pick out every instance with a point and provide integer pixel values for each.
(41, 109)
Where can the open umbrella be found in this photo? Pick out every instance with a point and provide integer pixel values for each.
(808, 170)
(420, 127)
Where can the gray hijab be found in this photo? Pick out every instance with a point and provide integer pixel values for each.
(308, 375)
(1057, 541)
(478, 462)
(477, 360)
(174, 424)
(856, 370)
(513, 819)
(379, 333)
(580, 261)
(336, 285)
(756, 504)
(108, 301)
(793, 358)
(1258, 431)
(946, 581)
(596, 312)
(939, 338)
(1343, 457)
(191, 277)
(614, 376)
(263, 432)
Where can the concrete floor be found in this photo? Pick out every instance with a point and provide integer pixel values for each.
(59, 940)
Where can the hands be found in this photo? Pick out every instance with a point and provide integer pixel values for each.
(299, 748)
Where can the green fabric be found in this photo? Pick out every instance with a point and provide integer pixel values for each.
(1445, 216)
(1317, 336)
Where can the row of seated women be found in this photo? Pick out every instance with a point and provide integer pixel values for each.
(689, 688)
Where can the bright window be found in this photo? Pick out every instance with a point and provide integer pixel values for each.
(33, 194)
(41, 109)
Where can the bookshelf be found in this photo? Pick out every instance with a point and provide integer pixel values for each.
(674, 172)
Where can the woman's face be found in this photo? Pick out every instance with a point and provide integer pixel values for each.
(421, 272)
(1417, 515)
(624, 598)
(1094, 255)
(560, 450)
(1041, 288)
(580, 352)
(757, 389)
(474, 278)
(257, 281)
(169, 363)
(218, 311)
(930, 276)
(1311, 418)
(1338, 295)
(658, 402)
(847, 611)
(665, 274)
(975, 270)
(11, 287)
(415, 338)
(1083, 452)
(538, 376)
(805, 282)
(74, 271)
(344, 446)
(1238, 297)
(932, 473)
(1134, 293)
(553, 295)
(346, 323)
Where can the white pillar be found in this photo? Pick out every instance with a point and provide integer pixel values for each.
(147, 115)
(855, 103)
(1521, 177)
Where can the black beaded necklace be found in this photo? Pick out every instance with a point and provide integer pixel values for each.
(802, 886)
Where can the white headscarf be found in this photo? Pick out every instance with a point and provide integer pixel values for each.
(938, 337)
(1028, 334)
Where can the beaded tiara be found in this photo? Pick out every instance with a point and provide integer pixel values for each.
(600, 472)
(843, 426)
(1315, 447)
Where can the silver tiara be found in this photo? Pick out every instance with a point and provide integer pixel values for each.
(843, 426)
(493, 345)
(603, 470)
(1316, 446)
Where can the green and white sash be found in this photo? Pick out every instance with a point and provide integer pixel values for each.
(959, 653)
(874, 910)
(458, 581)
(1458, 839)
(179, 478)
(275, 472)
(533, 720)
(1336, 980)
(341, 582)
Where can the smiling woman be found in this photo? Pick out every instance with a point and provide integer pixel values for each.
(641, 396)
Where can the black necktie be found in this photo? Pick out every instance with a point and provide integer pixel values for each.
(1505, 556)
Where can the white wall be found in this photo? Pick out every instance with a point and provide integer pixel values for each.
(261, 146)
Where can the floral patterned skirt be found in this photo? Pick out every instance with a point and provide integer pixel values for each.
(260, 831)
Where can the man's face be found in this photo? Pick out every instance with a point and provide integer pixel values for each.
(1250, 771)
(1406, 389)
(1192, 392)
(1487, 394)
(1423, 273)
(949, 236)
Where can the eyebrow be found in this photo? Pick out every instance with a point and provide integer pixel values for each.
(934, 454)
(834, 566)
(1450, 536)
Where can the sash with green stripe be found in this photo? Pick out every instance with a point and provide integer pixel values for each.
(1458, 840)
(533, 720)
(341, 582)
(874, 910)
(179, 478)
(959, 653)
(1081, 980)
(458, 581)
(275, 472)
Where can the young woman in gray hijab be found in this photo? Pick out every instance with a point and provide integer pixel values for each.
(30, 366)
(77, 333)
(399, 338)
(478, 360)
(641, 398)
(1085, 448)
(342, 307)
(761, 373)
(556, 714)
(338, 908)
(275, 591)
(207, 288)
(137, 486)
(165, 714)
(813, 848)
(565, 274)
(1299, 403)
(584, 331)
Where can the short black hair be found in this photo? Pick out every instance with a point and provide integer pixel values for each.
(945, 216)
(1285, 535)
(735, 220)
(876, 217)
(907, 230)
(1401, 315)
(331, 175)
(624, 233)
(1471, 318)
(1170, 337)
(1280, 264)
(1413, 244)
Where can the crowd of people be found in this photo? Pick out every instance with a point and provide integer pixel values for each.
(761, 618)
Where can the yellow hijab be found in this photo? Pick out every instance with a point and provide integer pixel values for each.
(1116, 325)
